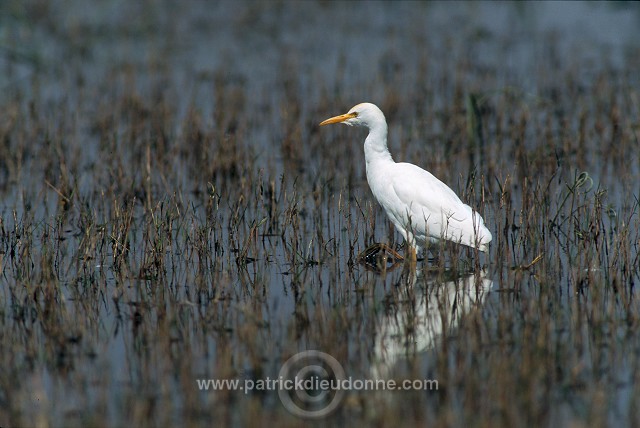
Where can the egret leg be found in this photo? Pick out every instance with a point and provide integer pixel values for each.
(412, 257)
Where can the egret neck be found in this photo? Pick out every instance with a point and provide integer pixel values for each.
(375, 145)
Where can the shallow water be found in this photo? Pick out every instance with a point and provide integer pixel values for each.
(171, 210)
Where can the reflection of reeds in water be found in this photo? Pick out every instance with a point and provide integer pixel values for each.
(426, 311)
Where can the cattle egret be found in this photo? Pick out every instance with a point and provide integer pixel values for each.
(422, 208)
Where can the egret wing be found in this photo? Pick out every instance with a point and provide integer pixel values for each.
(426, 195)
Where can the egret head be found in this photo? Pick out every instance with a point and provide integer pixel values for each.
(364, 114)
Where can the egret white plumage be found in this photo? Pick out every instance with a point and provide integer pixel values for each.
(422, 208)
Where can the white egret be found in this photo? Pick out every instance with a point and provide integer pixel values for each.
(422, 208)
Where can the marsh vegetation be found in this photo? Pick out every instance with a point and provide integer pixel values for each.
(171, 211)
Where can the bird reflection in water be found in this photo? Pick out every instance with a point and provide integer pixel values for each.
(422, 313)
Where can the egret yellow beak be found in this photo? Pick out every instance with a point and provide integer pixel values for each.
(338, 119)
